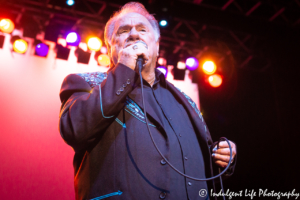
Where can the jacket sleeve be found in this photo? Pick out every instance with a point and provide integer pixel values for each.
(86, 112)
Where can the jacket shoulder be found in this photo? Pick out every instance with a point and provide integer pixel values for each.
(80, 82)
(93, 78)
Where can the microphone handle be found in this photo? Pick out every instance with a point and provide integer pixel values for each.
(139, 62)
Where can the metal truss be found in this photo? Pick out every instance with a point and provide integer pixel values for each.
(195, 26)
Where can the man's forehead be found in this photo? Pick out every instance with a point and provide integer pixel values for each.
(132, 19)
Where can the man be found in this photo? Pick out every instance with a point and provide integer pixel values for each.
(102, 118)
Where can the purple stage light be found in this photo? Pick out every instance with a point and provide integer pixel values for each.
(41, 49)
(163, 69)
(191, 63)
(73, 39)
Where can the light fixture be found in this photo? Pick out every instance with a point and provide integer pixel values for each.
(6, 26)
(215, 80)
(191, 63)
(41, 49)
(163, 23)
(94, 44)
(163, 69)
(73, 39)
(70, 2)
(19, 45)
(209, 67)
(103, 60)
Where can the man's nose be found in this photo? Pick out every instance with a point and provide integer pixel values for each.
(134, 34)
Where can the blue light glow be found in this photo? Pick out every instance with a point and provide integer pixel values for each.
(70, 2)
(163, 23)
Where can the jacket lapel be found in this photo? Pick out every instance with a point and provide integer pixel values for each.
(197, 121)
(136, 96)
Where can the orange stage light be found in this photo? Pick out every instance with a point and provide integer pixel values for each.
(215, 80)
(20, 46)
(7, 26)
(94, 44)
(209, 67)
(103, 60)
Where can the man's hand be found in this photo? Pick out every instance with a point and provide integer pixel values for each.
(221, 156)
(130, 53)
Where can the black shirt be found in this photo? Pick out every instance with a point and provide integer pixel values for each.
(185, 152)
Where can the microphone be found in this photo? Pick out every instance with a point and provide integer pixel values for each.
(139, 63)
(140, 59)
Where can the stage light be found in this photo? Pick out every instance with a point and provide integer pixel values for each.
(162, 61)
(163, 23)
(62, 52)
(62, 42)
(181, 65)
(73, 39)
(82, 56)
(20, 46)
(209, 67)
(215, 80)
(191, 63)
(163, 69)
(103, 50)
(41, 49)
(103, 60)
(94, 44)
(70, 2)
(7, 26)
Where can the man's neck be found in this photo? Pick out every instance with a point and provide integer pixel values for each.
(149, 75)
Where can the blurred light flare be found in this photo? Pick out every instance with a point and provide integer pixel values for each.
(83, 46)
(163, 23)
(191, 63)
(20, 46)
(73, 39)
(7, 26)
(181, 65)
(70, 2)
(94, 44)
(103, 60)
(162, 61)
(103, 50)
(62, 42)
(42, 49)
(163, 69)
(209, 67)
(215, 80)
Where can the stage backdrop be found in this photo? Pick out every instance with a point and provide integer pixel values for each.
(35, 162)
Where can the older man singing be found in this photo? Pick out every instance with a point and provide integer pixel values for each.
(102, 117)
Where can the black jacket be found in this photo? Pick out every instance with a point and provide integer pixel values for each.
(114, 155)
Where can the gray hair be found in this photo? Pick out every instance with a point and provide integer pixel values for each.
(128, 8)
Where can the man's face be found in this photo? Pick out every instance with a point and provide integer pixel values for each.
(130, 28)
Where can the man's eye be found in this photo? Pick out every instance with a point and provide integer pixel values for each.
(143, 30)
(123, 31)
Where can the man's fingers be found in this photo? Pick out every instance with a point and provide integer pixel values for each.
(221, 163)
(223, 151)
(140, 49)
(129, 54)
(223, 158)
(224, 144)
